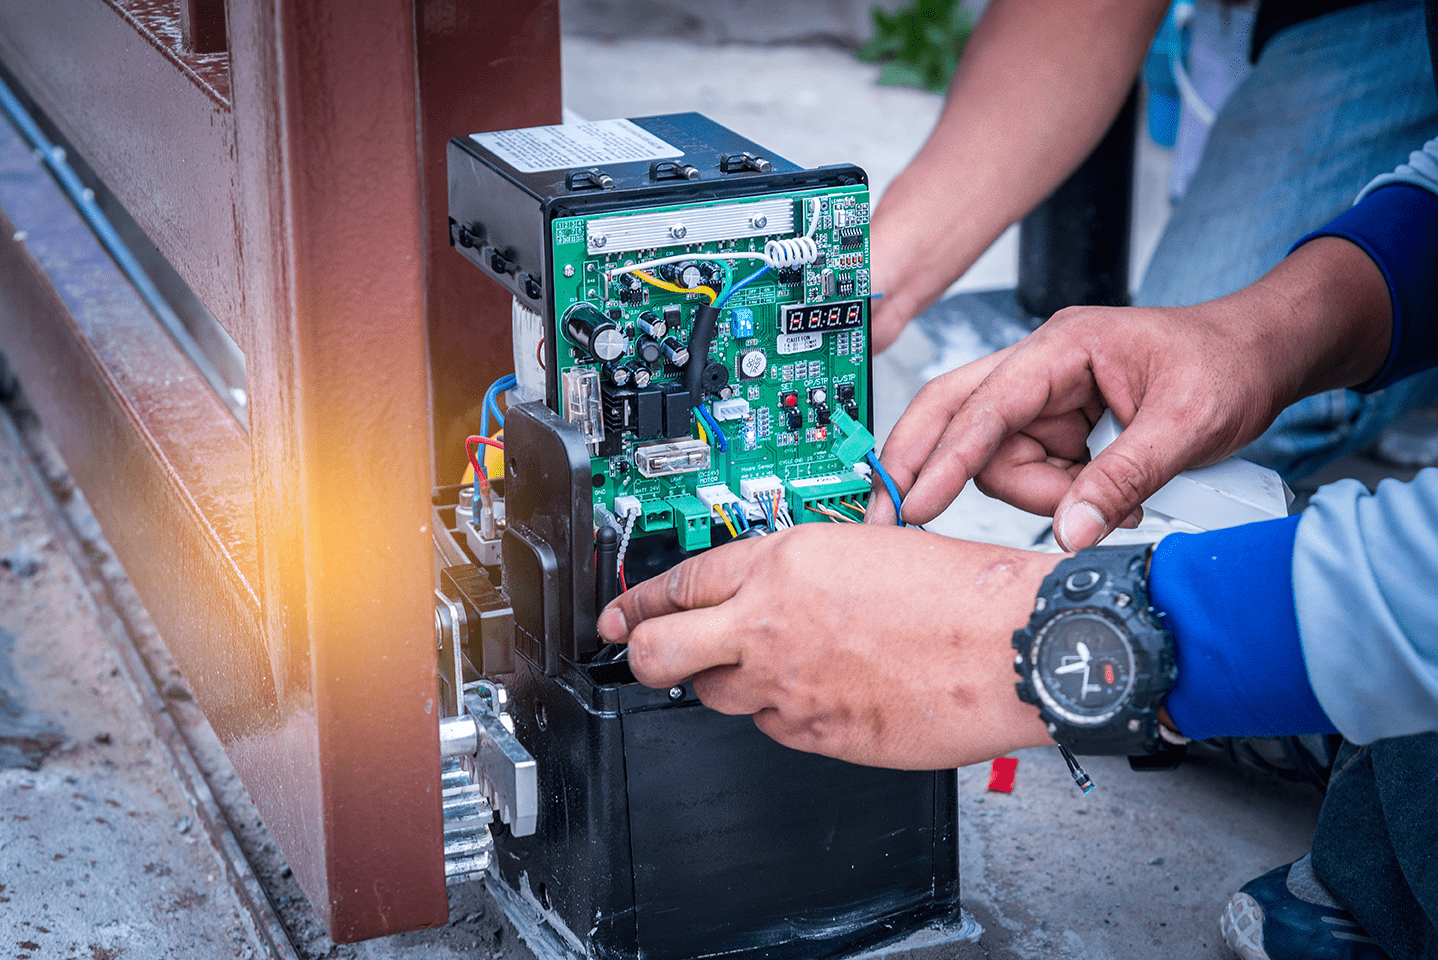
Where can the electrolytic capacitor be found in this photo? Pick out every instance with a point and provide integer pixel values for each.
(618, 374)
(652, 325)
(595, 332)
(647, 349)
(640, 375)
(674, 351)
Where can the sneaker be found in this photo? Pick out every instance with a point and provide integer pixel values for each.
(1286, 914)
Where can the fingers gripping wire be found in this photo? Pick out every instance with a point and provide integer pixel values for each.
(889, 485)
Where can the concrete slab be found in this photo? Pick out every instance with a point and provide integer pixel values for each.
(103, 851)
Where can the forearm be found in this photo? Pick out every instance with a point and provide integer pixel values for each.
(1039, 84)
(1320, 320)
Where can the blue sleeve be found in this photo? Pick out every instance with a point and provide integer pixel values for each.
(1227, 597)
(1397, 226)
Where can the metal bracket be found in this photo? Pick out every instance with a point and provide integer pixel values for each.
(504, 771)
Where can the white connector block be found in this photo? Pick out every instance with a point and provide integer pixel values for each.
(735, 408)
(1226, 494)
(715, 494)
(627, 507)
(752, 488)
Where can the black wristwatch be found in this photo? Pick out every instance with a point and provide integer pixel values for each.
(1095, 659)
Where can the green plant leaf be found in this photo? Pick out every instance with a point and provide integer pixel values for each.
(919, 45)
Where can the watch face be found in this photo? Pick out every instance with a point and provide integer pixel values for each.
(1083, 666)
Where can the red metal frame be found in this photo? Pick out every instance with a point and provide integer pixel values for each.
(296, 183)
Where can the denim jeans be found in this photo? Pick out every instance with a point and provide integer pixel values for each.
(1331, 104)
(1376, 847)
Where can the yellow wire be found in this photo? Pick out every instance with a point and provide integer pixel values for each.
(854, 507)
(727, 522)
(675, 288)
(699, 423)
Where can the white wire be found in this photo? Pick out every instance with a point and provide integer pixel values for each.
(777, 254)
(1182, 18)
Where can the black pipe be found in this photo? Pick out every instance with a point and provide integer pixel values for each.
(1074, 247)
(701, 336)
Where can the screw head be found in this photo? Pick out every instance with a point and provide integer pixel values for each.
(678, 231)
(759, 222)
(676, 693)
(598, 240)
(569, 269)
(1134, 725)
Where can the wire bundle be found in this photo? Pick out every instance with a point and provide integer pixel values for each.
(704, 417)
(777, 255)
(733, 516)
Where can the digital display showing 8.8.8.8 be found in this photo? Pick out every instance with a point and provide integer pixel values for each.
(822, 317)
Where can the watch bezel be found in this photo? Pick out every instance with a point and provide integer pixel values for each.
(1040, 685)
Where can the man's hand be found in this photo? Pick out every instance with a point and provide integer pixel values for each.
(1191, 385)
(880, 646)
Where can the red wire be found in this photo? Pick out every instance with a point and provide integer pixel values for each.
(539, 353)
(480, 474)
(622, 585)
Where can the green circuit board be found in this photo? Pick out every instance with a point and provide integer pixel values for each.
(789, 356)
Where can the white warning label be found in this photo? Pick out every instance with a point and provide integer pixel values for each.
(536, 149)
(791, 343)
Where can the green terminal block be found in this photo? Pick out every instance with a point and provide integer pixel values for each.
(655, 515)
(856, 442)
(692, 522)
(825, 493)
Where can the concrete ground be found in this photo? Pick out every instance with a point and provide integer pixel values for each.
(122, 830)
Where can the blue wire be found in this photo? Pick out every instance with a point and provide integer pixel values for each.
(888, 485)
(724, 297)
(490, 404)
(719, 439)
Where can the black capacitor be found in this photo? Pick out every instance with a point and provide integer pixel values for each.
(674, 351)
(618, 374)
(651, 324)
(640, 375)
(647, 349)
(595, 332)
(686, 273)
